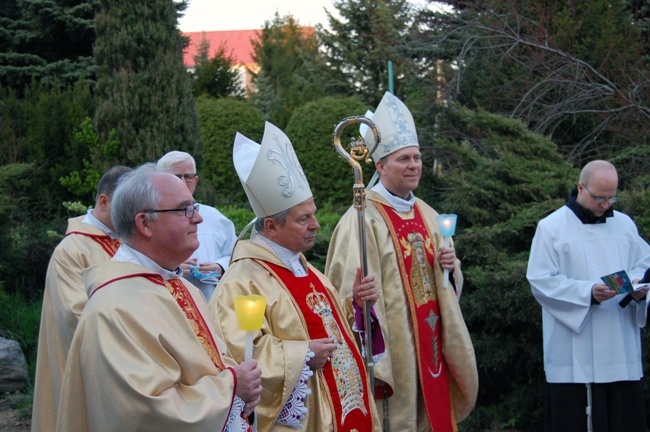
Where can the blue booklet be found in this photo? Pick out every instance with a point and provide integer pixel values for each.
(620, 282)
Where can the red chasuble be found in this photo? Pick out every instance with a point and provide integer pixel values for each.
(345, 374)
(108, 244)
(415, 255)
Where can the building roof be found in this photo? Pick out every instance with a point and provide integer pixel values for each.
(237, 42)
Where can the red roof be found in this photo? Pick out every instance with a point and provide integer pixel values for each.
(238, 42)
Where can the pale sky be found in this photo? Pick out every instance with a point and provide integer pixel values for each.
(210, 15)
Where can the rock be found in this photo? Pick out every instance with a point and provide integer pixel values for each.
(13, 367)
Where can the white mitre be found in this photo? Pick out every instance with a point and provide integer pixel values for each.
(270, 173)
(395, 124)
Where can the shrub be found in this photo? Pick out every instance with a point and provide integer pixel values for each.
(220, 120)
(310, 131)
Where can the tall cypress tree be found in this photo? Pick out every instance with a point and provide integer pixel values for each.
(144, 91)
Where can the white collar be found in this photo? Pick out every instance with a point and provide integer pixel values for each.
(125, 253)
(90, 219)
(289, 258)
(399, 204)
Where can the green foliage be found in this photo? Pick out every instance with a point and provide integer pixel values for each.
(363, 40)
(220, 120)
(570, 70)
(19, 321)
(327, 218)
(240, 216)
(501, 180)
(310, 131)
(11, 177)
(39, 129)
(84, 183)
(144, 91)
(50, 42)
(26, 244)
(216, 76)
(288, 57)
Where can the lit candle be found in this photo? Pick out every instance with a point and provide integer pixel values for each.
(447, 226)
(250, 316)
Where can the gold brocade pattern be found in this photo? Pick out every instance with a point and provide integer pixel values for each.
(109, 245)
(198, 324)
(347, 375)
(422, 281)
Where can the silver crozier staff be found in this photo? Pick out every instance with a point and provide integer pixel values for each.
(359, 151)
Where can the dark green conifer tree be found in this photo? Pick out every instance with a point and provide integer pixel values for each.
(47, 41)
(144, 91)
(360, 43)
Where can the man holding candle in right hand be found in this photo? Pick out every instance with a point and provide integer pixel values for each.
(313, 374)
(428, 380)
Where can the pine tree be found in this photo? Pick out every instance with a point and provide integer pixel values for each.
(216, 76)
(369, 34)
(287, 54)
(48, 41)
(144, 91)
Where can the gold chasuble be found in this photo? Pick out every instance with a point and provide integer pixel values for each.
(64, 298)
(109, 245)
(345, 374)
(415, 256)
(185, 301)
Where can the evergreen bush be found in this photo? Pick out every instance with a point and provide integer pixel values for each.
(220, 120)
(310, 131)
(501, 180)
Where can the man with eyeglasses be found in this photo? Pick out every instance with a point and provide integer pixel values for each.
(90, 239)
(145, 355)
(592, 346)
(216, 234)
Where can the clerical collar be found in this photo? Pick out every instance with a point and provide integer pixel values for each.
(125, 253)
(90, 219)
(289, 258)
(586, 216)
(398, 203)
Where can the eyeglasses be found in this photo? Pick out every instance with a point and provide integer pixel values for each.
(187, 177)
(599, 199)
(189, 210)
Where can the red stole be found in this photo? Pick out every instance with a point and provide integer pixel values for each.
(345, 374)
(416, 256)
(108, 244)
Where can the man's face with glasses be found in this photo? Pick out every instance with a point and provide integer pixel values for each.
(186, 171)
(174, 230)
(599, 196)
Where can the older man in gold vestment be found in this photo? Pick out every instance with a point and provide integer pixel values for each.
(144, 356)
(90, 239)
(428, 380)
(313, 374)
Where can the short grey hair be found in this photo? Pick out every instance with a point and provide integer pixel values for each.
(280, 217)
(173, 157)
(134, 194)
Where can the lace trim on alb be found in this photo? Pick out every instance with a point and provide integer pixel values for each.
(294, 411)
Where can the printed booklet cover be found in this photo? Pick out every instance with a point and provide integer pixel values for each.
(620, 282)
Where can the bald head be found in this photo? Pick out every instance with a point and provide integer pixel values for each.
(597, 187)
(597, 169)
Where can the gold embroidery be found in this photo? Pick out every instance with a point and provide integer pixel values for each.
(422, 280)
(346, 373)
(436, 360)
(183, 298)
